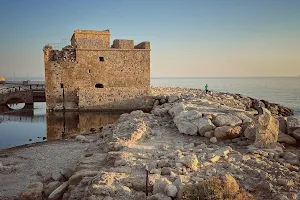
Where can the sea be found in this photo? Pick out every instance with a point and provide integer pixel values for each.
(27, 126)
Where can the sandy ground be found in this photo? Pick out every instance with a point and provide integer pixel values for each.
(21, 164)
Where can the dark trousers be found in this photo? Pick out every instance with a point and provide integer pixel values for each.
(206, 91)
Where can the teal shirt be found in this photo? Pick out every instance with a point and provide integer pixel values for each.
(206, 87)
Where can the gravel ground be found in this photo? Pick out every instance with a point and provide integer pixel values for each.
(19, 166)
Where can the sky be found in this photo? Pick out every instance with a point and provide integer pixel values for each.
(189, 38)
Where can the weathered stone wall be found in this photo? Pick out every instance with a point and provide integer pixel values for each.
(96, 68)
(120, 68)
(115, 98)
(103, 35)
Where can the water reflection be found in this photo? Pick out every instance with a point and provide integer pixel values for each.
(34, 124)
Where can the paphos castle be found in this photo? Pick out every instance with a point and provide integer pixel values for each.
(92, 73)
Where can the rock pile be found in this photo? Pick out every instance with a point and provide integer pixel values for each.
(185, 140)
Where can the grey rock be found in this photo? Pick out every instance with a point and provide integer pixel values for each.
(227, 120)
(213, 140)
(171, 190)
(51, 187)
(159, 185)
(282, 137)
(56, 176)
(177, 109)
(204, 125)
(227, 132)
(250, 132)
(58, 193)
(296, 134)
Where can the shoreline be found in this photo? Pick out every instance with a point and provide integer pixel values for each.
(187, 138)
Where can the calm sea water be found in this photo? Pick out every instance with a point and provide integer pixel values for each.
(35, 125)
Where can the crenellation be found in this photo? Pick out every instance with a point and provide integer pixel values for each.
(123, 44)
(143, 45)
(90, 74)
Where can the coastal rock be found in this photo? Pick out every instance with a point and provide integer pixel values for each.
(159, 185)
(204, 125)
(227, 132)
(213, 140)
(171, 190)
(190, 161)
(243, 117)
(227, 120)
(186, 128)
(267, 130)
(58, 193)
(51, 187)
(33, 192)
(296, 134)
(250, 132)
(292, 124)
(282, 124)
(286, 138)
(177, 109)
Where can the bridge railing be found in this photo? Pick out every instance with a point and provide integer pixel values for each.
(22, 88)
(28, 82)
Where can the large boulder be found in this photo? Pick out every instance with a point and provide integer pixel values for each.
(204, 125)
(227, 120)
(267, 128)
(292, 124)
(250, 132)
(186, 128)
(282, 124)
(296, 134)
(184, 122)
(243, 117)
(282, 137)
(227, 132)
(177, 109)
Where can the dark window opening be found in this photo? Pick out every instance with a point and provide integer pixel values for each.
(99, 85)
(61, 85)
(89, 71)
(101, 59)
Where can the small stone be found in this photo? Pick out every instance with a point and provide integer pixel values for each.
(285, 182)
(213, 140)
(56, 176)
(171, 190)
(51, 187)
(165, 171)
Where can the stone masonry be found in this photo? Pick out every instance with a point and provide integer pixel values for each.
(92, 75)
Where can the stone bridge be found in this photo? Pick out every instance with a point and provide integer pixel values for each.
(27, 94)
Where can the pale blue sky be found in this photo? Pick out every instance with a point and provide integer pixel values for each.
(188, 38)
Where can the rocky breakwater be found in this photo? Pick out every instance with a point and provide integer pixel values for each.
(193, 145)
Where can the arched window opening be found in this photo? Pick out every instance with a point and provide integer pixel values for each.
(99, 85)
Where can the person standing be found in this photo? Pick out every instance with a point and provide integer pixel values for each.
(206, 88)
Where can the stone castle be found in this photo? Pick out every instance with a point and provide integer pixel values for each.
(92, 74)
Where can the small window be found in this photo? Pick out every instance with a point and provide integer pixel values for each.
(101, 59)
(99, 85)
(61, 85)
(89, 70)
